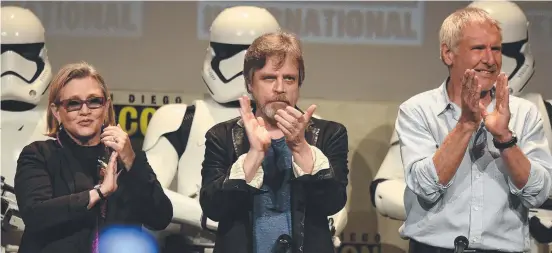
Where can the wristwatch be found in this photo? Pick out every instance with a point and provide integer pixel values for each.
(97, 188)
(504, 145)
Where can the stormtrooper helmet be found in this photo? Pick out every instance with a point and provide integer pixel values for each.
(232, 31)
(517, 60)
(26, 71)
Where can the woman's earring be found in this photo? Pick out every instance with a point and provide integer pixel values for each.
(60, 127)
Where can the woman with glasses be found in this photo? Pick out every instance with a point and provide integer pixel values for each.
(87, 177)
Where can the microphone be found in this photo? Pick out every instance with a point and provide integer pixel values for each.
(283, 244)
(460, 244)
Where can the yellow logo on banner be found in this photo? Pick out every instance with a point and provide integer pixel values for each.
(134, 118)
(134, 110)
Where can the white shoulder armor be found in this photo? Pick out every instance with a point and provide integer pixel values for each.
(166, 119)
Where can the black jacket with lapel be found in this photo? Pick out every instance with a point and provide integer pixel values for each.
(314, 197)
(53, 193)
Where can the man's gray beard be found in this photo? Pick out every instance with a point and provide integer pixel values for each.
(269, 112)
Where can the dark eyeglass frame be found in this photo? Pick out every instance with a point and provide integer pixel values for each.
(78, 107)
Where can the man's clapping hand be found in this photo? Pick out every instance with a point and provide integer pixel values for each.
(259, 139)
(497, 121)
(471, 100)
(473, 109)
(293, 124)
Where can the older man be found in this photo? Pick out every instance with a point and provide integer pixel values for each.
(272, 176)
(475, 158)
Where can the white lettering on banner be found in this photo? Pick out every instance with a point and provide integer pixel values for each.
(540, 31)
(88, 19)
(383, 23)
(145, 98)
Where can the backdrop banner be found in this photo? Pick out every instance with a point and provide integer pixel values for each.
(134, 109)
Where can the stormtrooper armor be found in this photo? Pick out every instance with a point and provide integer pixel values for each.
(387, 189)
(175, 139)
(26, 74)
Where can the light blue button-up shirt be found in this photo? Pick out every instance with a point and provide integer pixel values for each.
(480, 202)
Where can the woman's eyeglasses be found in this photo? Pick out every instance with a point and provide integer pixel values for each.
(76, 104)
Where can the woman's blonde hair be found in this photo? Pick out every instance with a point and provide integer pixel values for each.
(67, 73)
